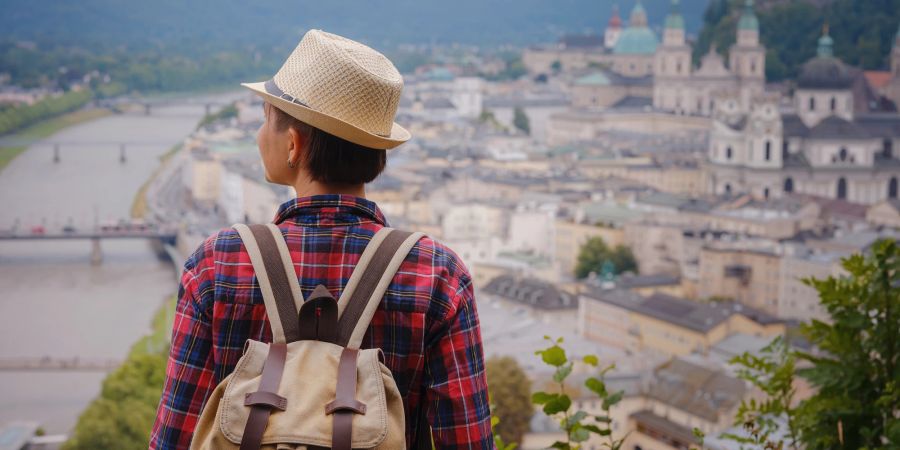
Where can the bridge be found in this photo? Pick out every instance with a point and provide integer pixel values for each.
(58, 145)
(149, 103)
(166, 235)
(55, 364)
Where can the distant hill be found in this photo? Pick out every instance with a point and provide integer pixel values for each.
(863, 31)
(230, 24)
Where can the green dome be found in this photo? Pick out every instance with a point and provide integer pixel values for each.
(594, 79)
(636, 41)
(674, 19)
(748, 19)
(826, 45)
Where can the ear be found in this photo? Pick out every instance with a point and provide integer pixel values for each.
(298, 140)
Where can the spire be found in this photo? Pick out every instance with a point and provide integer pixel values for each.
(825, 44)
(638, 16)
(614, 20)
(748, 19)
(674, 20)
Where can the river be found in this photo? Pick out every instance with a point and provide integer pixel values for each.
(53, 301)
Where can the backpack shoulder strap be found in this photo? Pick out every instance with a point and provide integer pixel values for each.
(370, 279)
(277, 279)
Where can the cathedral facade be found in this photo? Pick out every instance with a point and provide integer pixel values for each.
(681, 89)
(830, 142)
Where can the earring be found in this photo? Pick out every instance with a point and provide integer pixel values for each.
(290, 164)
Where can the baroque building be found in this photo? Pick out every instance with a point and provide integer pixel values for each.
(832, 141)
(681, 89)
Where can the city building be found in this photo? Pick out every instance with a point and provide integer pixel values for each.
(664, 325)
(834, 142)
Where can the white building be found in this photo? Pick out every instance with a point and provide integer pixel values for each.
(831, 143)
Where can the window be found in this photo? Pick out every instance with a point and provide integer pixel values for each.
(812, 104)
(842, 154)
(887, 148)
(892, 188)
(833, 103)
(768, 150)
(728, 153)
(842, 188)
(788, 184)
(728, 188)
(766, 193)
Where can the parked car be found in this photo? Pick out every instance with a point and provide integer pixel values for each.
(38, 229)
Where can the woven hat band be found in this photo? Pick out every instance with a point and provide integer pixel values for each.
(273, 89)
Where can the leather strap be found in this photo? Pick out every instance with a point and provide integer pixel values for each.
(345, 403)
(276, 277)
(268, 388)
(284, 297)
(376, 278)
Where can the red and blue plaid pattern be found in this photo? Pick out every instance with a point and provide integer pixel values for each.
(427, 323)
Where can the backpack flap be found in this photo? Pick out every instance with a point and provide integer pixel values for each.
(313, 368)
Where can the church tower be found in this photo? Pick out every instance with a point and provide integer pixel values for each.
(894, 86)
(748, 56)
(613, 29)
(672, 67)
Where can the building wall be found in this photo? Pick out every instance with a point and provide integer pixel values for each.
(798, 301)
(759, 288)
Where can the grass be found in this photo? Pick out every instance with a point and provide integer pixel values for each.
(46, 128)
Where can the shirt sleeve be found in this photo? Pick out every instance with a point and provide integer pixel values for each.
(455, 382)
(189, 371)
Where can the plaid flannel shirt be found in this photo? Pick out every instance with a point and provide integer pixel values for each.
(426, 324)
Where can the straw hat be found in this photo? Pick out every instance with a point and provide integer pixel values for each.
(339, 86)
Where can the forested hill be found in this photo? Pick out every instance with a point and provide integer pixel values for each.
(266, 23)
(863, 31)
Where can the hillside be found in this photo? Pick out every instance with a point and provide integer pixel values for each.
(863, 31)
(241, 23)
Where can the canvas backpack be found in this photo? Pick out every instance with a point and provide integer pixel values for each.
(312, 387)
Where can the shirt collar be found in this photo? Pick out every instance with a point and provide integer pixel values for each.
(330, 210)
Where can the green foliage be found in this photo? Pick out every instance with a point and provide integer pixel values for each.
(578, 425)
(863, 31)
(594, 253)
(498, 439)
(773, 373)
(122, 416)
(520, 120)
(510, 391)
(856, 372)
(51, 106)
(229, 111)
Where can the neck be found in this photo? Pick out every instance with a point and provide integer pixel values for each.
(308, 188)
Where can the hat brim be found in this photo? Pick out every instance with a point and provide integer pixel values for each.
(332, 124)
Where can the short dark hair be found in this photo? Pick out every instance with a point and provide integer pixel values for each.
(330, 159)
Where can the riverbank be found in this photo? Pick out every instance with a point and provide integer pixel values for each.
(47, 128)
(139, 206)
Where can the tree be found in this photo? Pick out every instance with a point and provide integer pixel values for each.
(853, 370)
(510, 391)
(122, 416)
(520, 120)
(856, 371)
(594, 253)
(773, 373)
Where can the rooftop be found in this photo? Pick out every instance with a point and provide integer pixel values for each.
(696, 389)
(696, 316)
(530, 292)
